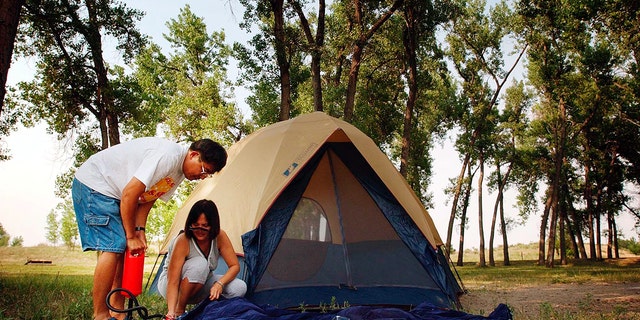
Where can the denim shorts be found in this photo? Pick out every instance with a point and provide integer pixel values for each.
(99, 221)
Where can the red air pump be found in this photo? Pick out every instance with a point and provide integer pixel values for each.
(132, 273)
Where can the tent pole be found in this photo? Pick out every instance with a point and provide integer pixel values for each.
(345, 250)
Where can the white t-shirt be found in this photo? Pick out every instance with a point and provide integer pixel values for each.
(156, 162)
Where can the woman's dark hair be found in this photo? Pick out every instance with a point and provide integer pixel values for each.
(210, 211)
(211, 152)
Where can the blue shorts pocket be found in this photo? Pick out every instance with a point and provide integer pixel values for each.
(93, 220)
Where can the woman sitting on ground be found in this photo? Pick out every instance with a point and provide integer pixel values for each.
(188, 276)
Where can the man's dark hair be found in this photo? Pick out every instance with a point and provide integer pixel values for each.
(211, 152)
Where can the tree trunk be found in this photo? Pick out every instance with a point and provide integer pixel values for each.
(562, 234)
(353, 80)
(114, 129)
(615, 238)
(499, 208)
(456, 198)
(340, 62)
(581, 247)
(317, 58)
(560, 133)
(492, 232)
(357, 51)
(598, 239)
(102, 124)
(316, 51)
(543, 230)
(463, 219)
(576, 230)
(610, 235)
(571, 229)
(592, 239)
(409, 38)
(104, 94)
(277, 7)
(553, 223)
(9, 19)
(588, 195)
(613, 230)
(562, 217)
(482, 262)
(503, 225)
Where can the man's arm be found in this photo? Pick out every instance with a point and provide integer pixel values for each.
(141, 220)
(130, 212)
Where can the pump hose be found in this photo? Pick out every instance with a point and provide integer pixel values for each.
(134, 306)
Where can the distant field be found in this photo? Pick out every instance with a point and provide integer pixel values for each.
(74, 261)
(63, 260)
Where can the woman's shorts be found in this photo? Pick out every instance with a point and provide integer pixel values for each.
(99, 221)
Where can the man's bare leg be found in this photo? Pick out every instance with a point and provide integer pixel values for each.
(103, 278)
(117, 300)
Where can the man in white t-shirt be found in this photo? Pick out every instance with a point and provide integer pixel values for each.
(113, 192)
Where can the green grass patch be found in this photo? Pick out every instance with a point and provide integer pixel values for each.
(60, 290)
(530, 274)
(45, 296)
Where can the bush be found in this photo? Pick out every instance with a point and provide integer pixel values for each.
(631, 245)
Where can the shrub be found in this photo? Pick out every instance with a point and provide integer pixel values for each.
(631, 245)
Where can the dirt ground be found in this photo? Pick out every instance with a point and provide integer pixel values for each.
(534, 302)
(620, 300)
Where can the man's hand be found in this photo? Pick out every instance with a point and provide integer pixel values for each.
(137, 245)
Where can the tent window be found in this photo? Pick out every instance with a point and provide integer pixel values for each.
(308, 222)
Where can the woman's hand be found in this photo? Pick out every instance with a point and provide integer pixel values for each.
(216, 290)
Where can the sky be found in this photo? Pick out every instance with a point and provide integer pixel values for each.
(27, 194)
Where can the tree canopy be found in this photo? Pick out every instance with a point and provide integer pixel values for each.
(410, 74)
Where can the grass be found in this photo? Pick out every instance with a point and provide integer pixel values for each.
(38, 296)
(521, 273)
(61, 290)
(527, 272)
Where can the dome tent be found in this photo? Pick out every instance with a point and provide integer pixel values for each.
(319, 213)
